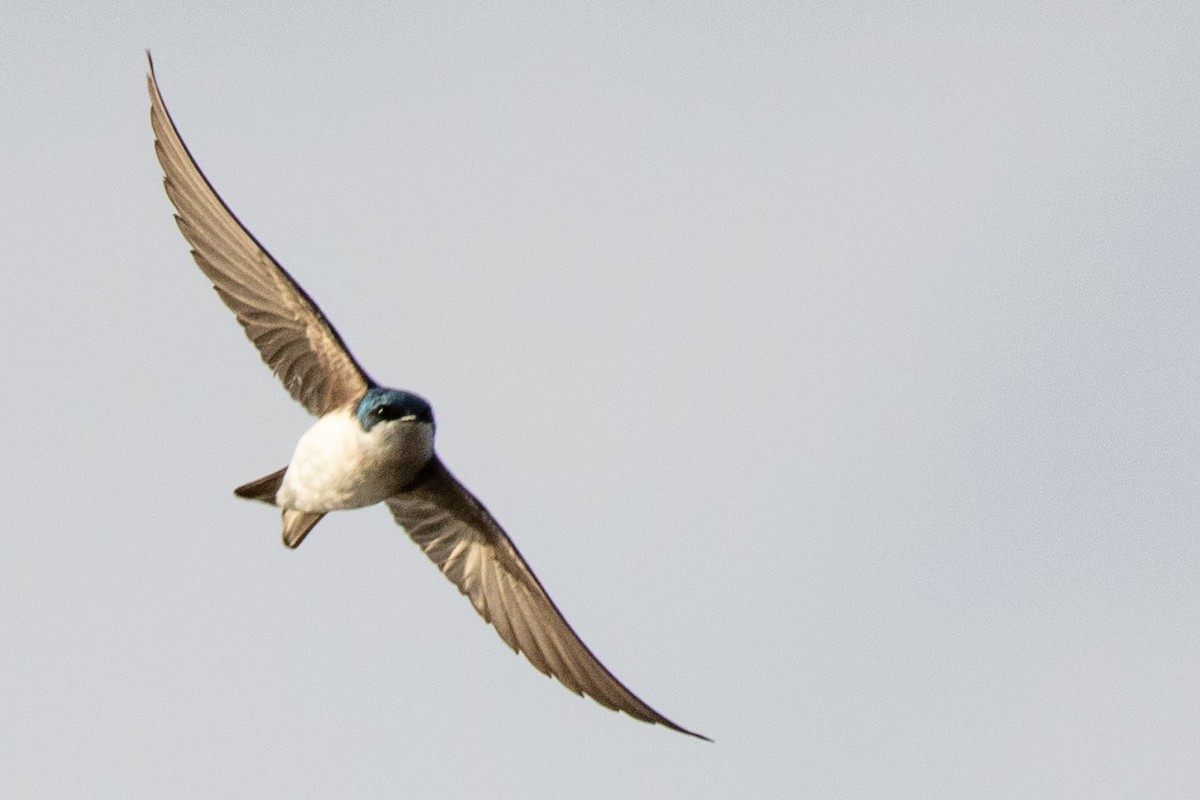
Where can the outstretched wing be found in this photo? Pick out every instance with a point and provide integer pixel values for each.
(291, 333)
(470, 548)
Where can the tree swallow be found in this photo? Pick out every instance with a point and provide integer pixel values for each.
(370, 444)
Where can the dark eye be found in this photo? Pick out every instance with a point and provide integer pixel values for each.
(383, 412)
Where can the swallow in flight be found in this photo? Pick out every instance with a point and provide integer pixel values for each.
(370, 444)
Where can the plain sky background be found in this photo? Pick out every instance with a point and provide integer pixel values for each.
(834, 365)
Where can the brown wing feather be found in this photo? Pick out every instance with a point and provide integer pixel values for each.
(291, 333)
(470, 548)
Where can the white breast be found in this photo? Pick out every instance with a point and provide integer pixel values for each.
(339, 465)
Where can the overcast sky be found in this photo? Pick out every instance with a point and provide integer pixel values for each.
(834, 366)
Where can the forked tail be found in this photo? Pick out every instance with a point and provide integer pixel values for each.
(296, 524)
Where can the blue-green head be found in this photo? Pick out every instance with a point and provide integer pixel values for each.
(383, 405)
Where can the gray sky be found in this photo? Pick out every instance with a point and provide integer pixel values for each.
(835, 367)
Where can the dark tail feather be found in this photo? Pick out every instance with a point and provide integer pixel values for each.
(296, 525)
(263, 489)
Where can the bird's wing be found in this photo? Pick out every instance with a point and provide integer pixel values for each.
(295, 339)
(470, 548)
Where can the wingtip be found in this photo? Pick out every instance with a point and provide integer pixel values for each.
(699, 736)
(666, 723)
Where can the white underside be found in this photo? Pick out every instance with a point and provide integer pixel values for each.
(339, 465)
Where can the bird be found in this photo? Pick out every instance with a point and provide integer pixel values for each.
(370, 444)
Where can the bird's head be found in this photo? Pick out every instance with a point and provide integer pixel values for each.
(392, 405)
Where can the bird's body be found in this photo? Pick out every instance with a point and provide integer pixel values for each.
(370, 444)
(339, 465)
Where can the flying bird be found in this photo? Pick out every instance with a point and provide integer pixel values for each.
(370, 444)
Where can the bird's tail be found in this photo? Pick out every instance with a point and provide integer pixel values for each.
(263, 489)
(296, 524)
